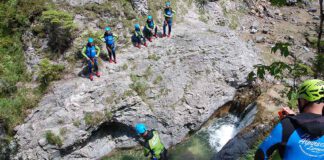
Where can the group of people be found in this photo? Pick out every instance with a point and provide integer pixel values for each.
(91, 52)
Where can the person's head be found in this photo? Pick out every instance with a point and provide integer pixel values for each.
(137, 26)
(140, 129)
(108, 29)
(167, 4)
(149, 18)
(90, 41)
(311, 96)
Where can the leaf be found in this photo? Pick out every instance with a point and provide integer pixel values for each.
(283, 47)
(251, 76)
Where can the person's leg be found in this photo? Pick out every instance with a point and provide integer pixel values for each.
(113, 50)
(170, 27)
(164, 27)
(90, 70)
(95, 62)
(155, 32)
(164, 155)
(109, 53)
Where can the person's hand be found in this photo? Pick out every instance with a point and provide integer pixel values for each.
(88, 59)
(288, 111)
(285, 111)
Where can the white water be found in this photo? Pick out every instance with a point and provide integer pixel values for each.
(224, 129)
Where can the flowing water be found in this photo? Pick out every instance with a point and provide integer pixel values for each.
(209, 140)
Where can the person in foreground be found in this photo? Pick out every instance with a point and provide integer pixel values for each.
(91, 52)
(152, 144)
(299, 137)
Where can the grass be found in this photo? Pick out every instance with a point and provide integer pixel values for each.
(148, 73)
(125, 67)
(53, 139)
(95, 118)
(77, 123)
(139, 85)
(158, 79)
(153, 57)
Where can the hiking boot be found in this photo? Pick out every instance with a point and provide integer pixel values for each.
(115, 61)
(98, 74)
(169, 35)
(110, 61)
(150, 39)
(91, 77)
(145, 44)
(164, 35)
(155, 35)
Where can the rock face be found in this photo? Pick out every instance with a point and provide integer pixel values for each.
(79, 2)
(173, 85)
(140, 6)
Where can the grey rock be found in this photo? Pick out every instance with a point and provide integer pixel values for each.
(291, 2)
(79, 2)
(196, 82)
(260, 39)
(140, 6)
(266, 30)
(313, 10)
(316, 18)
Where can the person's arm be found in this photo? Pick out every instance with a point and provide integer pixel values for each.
(98, 51)
(84, 52)
(102, 38)
(270, 144)
(116, 37)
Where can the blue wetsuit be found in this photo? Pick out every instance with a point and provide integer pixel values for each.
(150, 25)
(304, 139)
(110, 44)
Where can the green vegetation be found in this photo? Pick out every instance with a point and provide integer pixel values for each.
(136, 154)
(153, 57)
(49, 72)
(139, 85)
(281, 70)
(77, 123)
(279, 3)
(60, 27)
(158, 79)
(53, 139)
(125, 67)
(63, 131)
(95, 118)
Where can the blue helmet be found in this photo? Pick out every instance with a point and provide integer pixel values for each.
(90, 40)
(149, 18)
(137, 26)
(108, 29)
(168, 4)
(140, 128)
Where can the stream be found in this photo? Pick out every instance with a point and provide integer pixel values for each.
(206, 142)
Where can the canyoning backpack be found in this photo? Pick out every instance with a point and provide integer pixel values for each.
(109, 39)
(91, 51)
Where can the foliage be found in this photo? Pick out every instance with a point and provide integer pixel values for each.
(279, 3)
(60, 28)
(95, 118)
(53, 139)
(281, 70)
(319, 65)
(158, 79)
(139, 85)
(49, 72)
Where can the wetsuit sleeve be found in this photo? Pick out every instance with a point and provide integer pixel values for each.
(98, 51)
(84, 52)
(116, 37)
(102, 38)
(270, 144)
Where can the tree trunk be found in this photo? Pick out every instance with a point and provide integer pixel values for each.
(320, 28)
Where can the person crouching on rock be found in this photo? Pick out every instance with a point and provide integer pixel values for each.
(153, 146)
(91, 52)
(150, 29)
(139, 37)
(110, 39)
(168, 14)
(299, 137)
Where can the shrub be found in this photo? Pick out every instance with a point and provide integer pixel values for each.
(53, 139)
(92, 119)
(49, 72)
(60, 28)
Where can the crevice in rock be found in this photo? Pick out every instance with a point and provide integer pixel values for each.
(113, 129)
